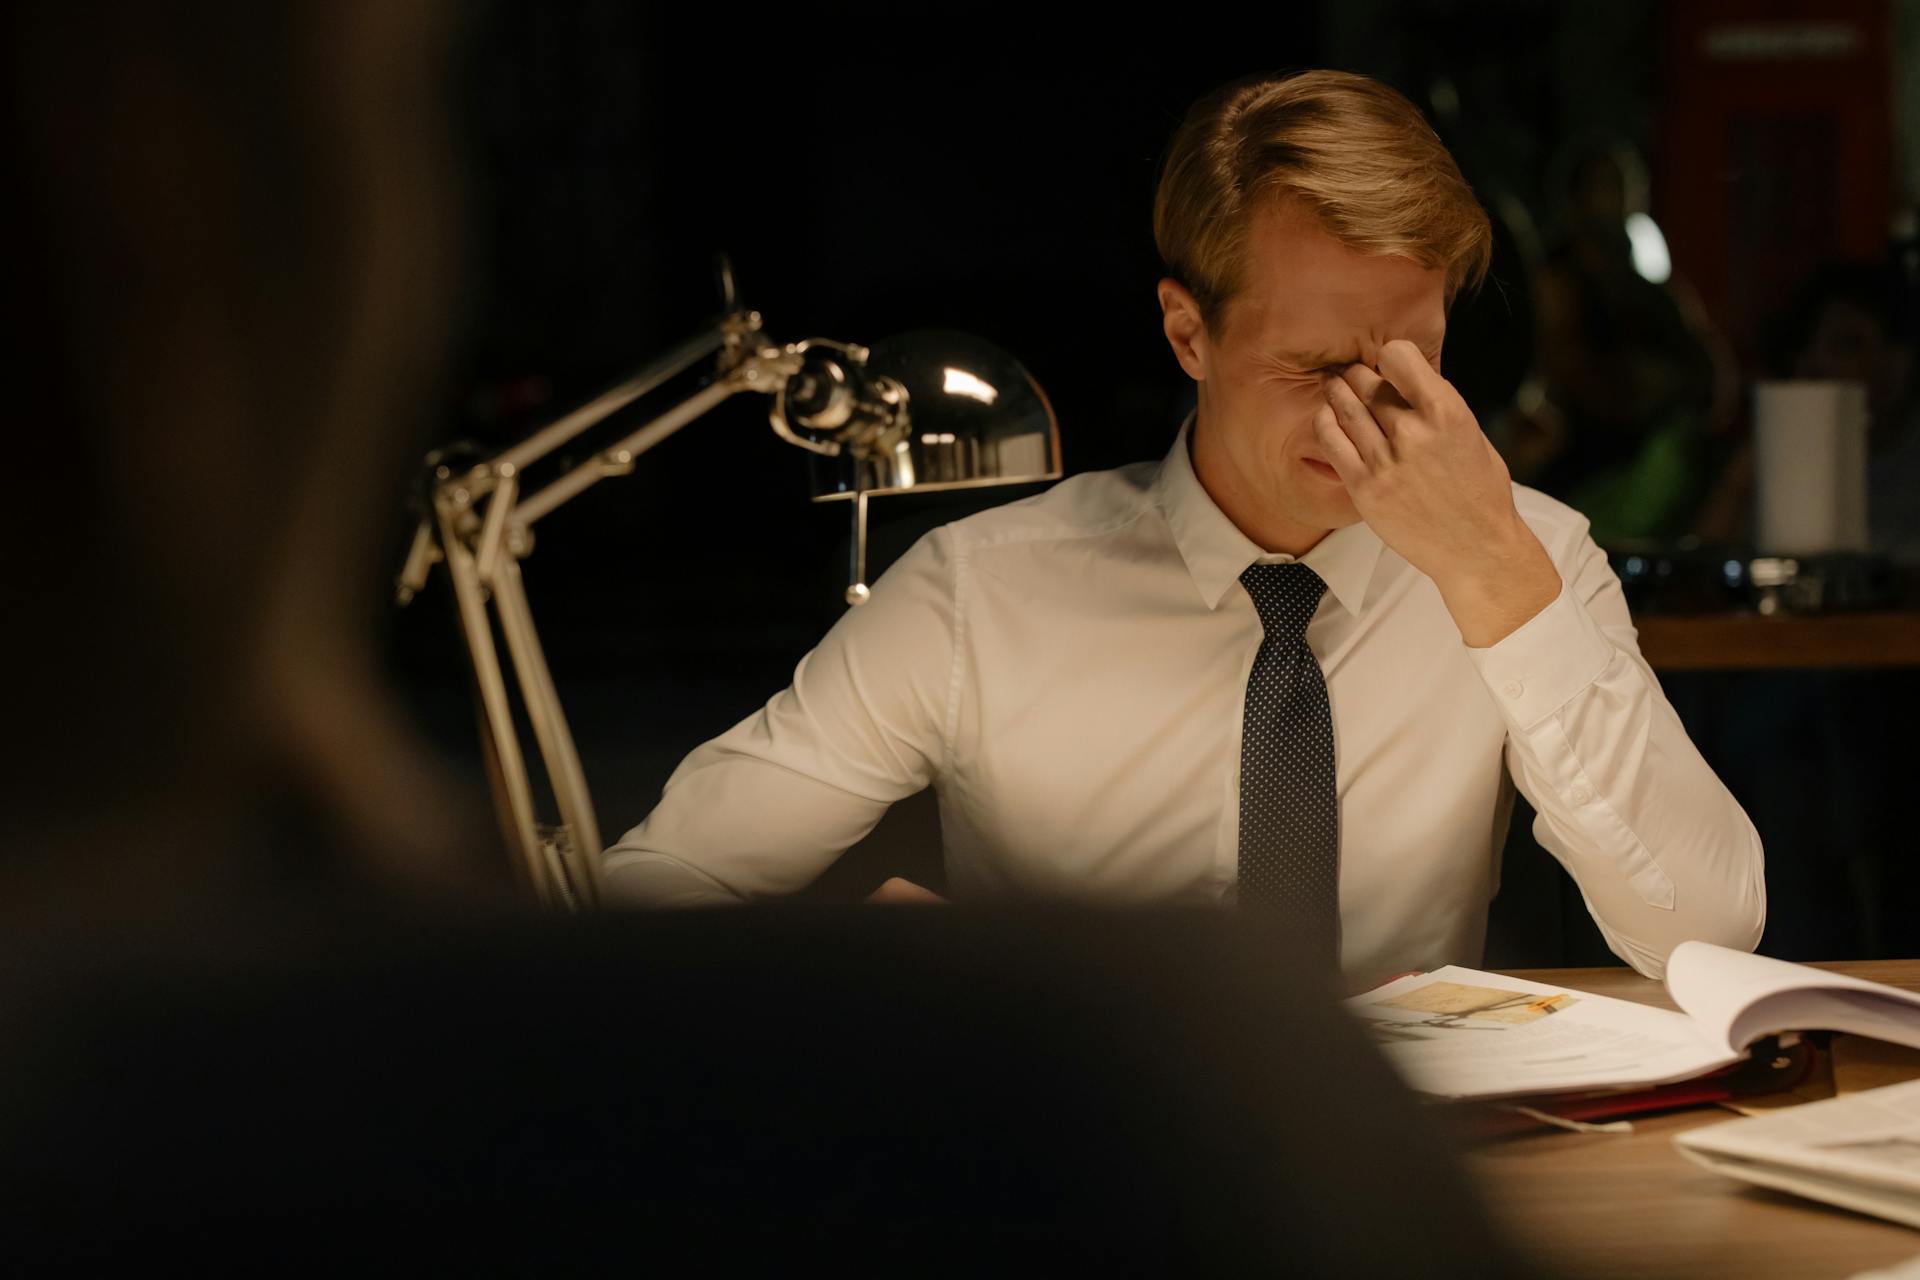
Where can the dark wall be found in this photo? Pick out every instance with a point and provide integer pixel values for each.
(867, 175)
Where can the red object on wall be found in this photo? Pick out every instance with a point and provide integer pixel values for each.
(1776, 148)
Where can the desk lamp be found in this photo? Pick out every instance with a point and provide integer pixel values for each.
(917, 413)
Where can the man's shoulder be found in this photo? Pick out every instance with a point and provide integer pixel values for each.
(1087, 505)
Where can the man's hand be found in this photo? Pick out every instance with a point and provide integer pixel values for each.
(898, 890)
(1427, 480)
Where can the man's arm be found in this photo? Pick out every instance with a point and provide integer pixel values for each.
(1661, 850)
(767, 806)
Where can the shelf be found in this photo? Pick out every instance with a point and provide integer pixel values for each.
(1749, 641)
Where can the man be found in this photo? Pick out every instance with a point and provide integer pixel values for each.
(1293, 664)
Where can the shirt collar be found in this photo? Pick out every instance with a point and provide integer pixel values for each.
(1216, 552)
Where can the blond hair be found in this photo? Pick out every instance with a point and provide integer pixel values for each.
(1355, 154)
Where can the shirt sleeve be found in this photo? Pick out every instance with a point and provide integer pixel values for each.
(767, 806)
(1661, 850)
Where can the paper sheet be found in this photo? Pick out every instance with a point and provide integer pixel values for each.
(1737, 998)
(1861, 1151)
(1462, 1033)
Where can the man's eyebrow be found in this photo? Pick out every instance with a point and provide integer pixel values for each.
(1328, 357)
(1316, 359)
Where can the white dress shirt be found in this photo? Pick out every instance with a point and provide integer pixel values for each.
(1067, 672)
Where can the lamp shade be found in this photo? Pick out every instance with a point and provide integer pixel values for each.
(975, 417)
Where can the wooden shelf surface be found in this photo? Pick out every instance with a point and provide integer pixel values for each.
(1751, 642)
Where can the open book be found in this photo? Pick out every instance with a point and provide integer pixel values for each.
(1861, 1151)
(1462, 1033)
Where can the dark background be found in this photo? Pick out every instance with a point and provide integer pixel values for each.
(872, 169)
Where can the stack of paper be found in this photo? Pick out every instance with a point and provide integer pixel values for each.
(1861, 1152)
(1461, 1033)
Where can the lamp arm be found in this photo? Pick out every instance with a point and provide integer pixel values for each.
(618, 459)
(570, 852)
(481, 525)
(499, 742)
(615, 398)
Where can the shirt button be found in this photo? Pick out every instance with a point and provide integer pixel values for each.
(1581, 795)
(1513, 688)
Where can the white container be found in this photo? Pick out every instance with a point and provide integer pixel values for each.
(1810, 467)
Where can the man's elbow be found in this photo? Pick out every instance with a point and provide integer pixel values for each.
(1747, 914)
(1733, 915)
(1737, 916)
(1754, 922)
(635, 878)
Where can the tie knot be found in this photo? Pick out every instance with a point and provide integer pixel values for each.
(1286, 596)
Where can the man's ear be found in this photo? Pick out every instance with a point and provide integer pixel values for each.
(1186, 331)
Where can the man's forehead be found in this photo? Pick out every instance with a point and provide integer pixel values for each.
(1330, 327)
(1302, 286)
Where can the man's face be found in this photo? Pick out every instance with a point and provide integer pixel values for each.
(1309, 306)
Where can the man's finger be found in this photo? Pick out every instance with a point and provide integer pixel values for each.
(1382, 400)
(1341, 455)
(1358, 424)
(1402, 364)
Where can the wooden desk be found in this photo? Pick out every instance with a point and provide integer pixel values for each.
(1748, 642)
(1631, 1205)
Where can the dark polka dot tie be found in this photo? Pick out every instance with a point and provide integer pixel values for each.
(1289, 812)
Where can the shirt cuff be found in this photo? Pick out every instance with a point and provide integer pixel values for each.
(1539, 668)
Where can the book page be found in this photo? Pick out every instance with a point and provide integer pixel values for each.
(1737, 998)
(1462, 1033)
(1862, 1150)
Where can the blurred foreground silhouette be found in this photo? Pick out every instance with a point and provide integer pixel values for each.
(268, 996)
